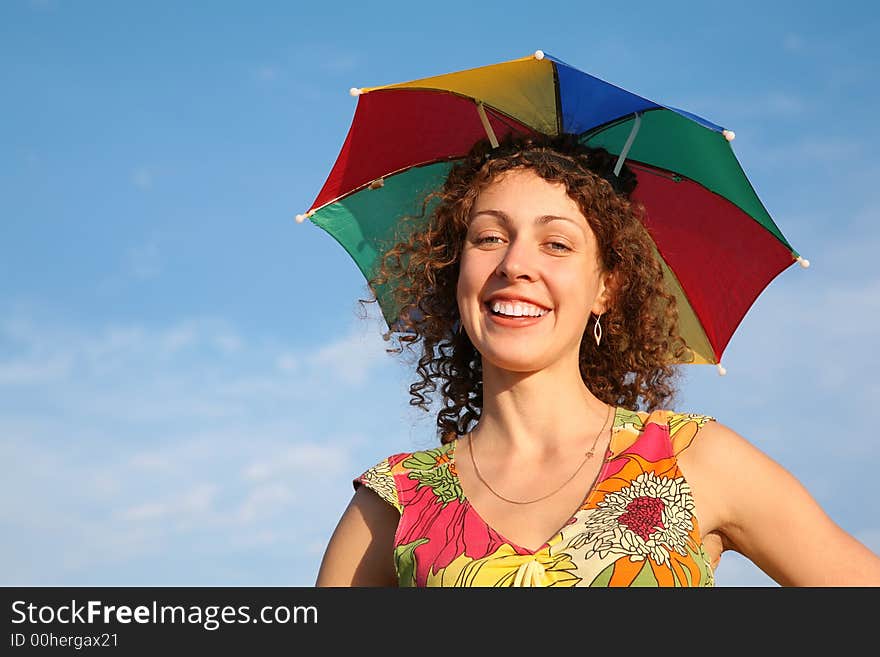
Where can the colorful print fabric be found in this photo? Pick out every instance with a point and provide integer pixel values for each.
(636, 527)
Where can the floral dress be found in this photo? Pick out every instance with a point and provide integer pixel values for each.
(636, 527)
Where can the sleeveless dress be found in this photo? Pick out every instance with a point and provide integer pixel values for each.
(636, 526)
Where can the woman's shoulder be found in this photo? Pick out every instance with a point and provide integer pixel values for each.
(681, 427)
(382, 477)
(403, 462)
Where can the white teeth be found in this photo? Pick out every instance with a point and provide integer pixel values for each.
(518, 309)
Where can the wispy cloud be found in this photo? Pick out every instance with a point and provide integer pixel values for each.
(31, 371)
(185, 507)
(135, 438)
(351, 358)
(305, 457)
(286, 362)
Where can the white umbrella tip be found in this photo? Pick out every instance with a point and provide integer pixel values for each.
(721, 371)
(803, 262)
(729, 135)
(354, 91)
(539, 54)
(300, 218)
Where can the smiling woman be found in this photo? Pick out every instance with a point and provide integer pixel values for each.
(541, 305)
(561, 246)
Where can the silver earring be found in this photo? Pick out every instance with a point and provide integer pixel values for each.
(597, 330)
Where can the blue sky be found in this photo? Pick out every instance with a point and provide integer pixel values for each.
(186, 385)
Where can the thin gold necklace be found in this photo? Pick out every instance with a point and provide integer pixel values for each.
(587, 457)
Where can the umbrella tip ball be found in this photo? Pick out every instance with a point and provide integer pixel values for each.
(354, 91)
(300, 218)
(721, 370)
(539, 54)
(803, 262)
(729, 135)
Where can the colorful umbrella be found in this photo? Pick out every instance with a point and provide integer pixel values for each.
(718, 244)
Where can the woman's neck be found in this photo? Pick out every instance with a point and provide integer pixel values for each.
(535, 415)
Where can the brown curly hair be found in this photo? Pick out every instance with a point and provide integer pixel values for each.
(640, 328)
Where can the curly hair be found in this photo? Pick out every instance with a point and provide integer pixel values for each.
(637, 359)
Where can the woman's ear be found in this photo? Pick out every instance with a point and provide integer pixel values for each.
(607, 292)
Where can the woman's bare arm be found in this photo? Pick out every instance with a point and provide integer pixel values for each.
(763, 512)
(360, 551)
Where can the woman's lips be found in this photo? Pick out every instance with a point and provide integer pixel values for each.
(515, 322)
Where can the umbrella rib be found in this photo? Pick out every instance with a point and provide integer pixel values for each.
(376, 183)
(629, 142)
(635, 164)
(677, 177)
(558, 97)
(490, 133)
(498, 113)
(588, 134)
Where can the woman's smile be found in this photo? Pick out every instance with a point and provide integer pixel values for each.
(509, 321)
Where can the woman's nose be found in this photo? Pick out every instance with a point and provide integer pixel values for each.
(517, 260)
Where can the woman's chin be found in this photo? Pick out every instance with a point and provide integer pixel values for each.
(514, 360)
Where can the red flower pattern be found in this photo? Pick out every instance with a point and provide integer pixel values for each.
(643, 516)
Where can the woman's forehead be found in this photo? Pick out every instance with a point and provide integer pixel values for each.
(519, 178)
(522, 192)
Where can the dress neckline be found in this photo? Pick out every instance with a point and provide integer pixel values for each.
(591, 491)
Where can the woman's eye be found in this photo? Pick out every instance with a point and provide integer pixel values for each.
(564, 247)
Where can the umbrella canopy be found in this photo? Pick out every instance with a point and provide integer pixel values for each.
(717, 243)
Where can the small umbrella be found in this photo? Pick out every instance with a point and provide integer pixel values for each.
(717, 243)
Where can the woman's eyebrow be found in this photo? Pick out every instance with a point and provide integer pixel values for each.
(543, 219)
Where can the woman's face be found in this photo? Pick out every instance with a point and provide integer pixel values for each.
(527, 238)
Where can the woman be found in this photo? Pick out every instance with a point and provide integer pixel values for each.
(541, 305)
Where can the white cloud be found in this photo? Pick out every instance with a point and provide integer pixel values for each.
(183, 508)
(264, 501)
(229, 342)
(29, 371)
(169, 433)
(154, 462)
(286, 363)
(298, 460)
(350, 359)
(179, 337)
